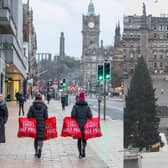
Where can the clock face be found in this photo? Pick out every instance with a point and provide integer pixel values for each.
(91, 25)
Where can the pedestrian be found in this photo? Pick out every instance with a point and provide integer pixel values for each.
(81, 112)
(48, 98)
(3, 119)
(162, 90)
(39, 111)
(17, 97)
(21, 100)
(63, 101)
(76, 97)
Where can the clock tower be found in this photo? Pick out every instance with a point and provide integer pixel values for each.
(90, 45)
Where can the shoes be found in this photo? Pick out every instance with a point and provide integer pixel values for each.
(80, 156)
(39, 153)
(83, 153)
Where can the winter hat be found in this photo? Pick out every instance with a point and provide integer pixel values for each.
(81, 96)
(38, 97)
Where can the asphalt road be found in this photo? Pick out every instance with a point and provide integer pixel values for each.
(114, 107)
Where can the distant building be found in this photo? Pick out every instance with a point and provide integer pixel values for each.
(146, 36)
(93, 53)
(11, 42)
(43, 56)
(62, 45)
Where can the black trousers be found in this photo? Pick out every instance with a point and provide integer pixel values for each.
(38, 142)
(82, 144)
(63, 106)
(21, 108)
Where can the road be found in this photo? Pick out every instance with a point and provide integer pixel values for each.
(114, 107)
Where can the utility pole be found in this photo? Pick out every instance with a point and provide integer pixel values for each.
(104, 99)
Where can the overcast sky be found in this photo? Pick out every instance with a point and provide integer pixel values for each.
(51, 17)
(154, 7)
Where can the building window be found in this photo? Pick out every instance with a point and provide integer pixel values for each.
(161, 36)
(154, 35)
(161, 56)
(154, 27)
(24, 52)
(131, 55)
(155, 56)
(161, 65)
(161, 27)
(155, 65)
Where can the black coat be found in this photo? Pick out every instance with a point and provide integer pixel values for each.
(81, 112)
(63, 100)
(21, 98)
(39, 111)
(3, 120)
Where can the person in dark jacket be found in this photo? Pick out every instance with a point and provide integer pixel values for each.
(48, 98)
(63, 101)
(3, 119)
(17, 97)
(38, 111)
(81, 112)
(21, 100)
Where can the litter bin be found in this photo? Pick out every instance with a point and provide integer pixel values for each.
(66, 100)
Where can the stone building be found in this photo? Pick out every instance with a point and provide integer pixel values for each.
(11, 42)
(146, 36)
(29, 40)
(93, 53)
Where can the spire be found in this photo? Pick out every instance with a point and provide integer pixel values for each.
(118, 27)
(91, 9)
(144, 17)
(144, 9)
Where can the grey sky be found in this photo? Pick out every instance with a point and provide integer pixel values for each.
(154, 7)
(51, 17)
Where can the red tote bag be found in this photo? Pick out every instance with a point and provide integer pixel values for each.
(51, 129)
(92, 128)
(70, 128)
(27, 127)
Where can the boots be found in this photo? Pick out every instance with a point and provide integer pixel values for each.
(39, 148)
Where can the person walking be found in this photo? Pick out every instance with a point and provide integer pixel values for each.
(76, 97)
(3, 119)
(63, 101)
(21, 100)
(81, 112)
(48, 98)
(39, 111)
(17, 97)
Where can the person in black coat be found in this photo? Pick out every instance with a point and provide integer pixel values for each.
(63, 101)
(3, 119)
(21, 100)
(48, 97)
(81, 112)
(38, 111)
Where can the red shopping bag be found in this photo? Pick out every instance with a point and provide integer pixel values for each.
(92, 128)
(70, 128)
(51, 129)
(27, 127)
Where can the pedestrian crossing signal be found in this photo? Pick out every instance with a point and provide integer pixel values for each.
(99, 72)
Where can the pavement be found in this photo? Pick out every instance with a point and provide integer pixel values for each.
(156, 159)
(103, 152)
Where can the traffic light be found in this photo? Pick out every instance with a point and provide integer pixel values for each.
(107, 70)
(99, 72)
(64, 83)
(60, 84)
